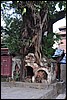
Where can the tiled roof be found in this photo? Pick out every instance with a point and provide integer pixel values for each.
(62, 27)
(61, 32)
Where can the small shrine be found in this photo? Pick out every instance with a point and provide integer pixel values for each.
(39, 73)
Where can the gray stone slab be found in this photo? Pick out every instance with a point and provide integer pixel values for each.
(22, 90)
(23, 93)
(61, 96)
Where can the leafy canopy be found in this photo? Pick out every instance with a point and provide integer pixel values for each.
(13, 12)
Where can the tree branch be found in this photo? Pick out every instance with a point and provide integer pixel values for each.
(45, 16)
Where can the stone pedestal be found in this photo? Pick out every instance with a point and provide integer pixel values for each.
(63, 72)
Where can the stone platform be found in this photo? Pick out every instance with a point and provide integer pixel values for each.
(22, 90)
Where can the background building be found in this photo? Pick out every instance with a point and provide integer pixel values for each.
(62, 43)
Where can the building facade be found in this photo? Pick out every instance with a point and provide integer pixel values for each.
(62, 43)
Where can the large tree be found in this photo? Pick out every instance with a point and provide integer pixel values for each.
(27, 31)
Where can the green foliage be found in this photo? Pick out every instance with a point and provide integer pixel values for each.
(24, 11)
(13, 41)
(13, 44)
(47, 44)
(14, 24)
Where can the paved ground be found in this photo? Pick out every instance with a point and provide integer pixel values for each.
(22, 93)
(21, 90)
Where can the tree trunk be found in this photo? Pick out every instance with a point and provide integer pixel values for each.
(34, 24)
(22, 55)
(50, 27)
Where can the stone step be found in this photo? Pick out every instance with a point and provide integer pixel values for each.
(50, 90)
(26, 84)
(61, 96)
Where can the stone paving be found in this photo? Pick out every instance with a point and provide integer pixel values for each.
(22, 93)
(21, 90)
